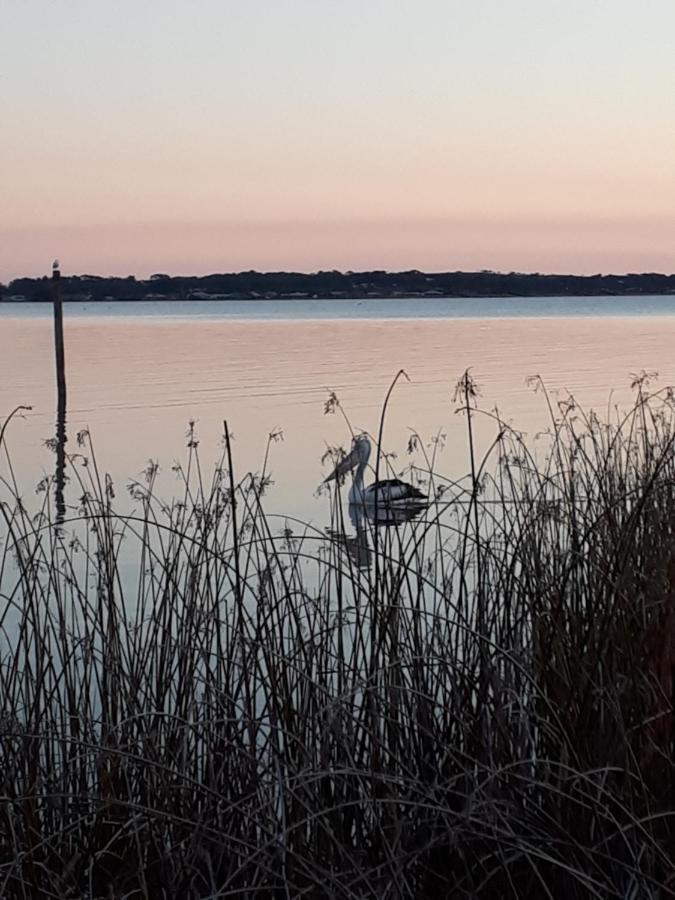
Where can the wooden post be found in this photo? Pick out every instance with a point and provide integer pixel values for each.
(60, 474)
(58, 337)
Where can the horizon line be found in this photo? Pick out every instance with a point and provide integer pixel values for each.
(349, 272)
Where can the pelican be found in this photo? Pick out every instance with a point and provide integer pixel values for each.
(390, 493)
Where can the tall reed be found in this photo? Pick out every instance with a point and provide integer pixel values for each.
(195, 702)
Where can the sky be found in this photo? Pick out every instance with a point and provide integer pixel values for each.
(194, 136)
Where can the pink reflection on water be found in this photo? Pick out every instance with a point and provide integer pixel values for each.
(136, 383)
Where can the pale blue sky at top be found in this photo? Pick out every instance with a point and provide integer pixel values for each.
(440, 134)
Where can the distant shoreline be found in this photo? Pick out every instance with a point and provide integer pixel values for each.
(334, 285)
(320, 297)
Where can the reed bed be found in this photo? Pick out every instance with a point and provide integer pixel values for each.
(200, 701)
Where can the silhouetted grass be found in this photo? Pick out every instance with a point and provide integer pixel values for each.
(197, 702)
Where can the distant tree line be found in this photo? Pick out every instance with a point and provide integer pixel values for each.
(268, 285)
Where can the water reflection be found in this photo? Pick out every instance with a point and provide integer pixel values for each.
(364, 518)
(60, 470)
(135, 383)
(386, 516)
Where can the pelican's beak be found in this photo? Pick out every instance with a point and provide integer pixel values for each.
(347, 464)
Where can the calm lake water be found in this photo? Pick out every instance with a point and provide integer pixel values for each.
(139, 372)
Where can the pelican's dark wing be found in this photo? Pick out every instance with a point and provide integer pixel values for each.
(391, 490)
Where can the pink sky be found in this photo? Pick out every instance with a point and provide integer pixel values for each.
(433, 134)
(586, 247)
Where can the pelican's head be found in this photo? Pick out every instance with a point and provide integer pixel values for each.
(358, 455)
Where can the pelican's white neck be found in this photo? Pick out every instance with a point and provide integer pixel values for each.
(356, 492)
